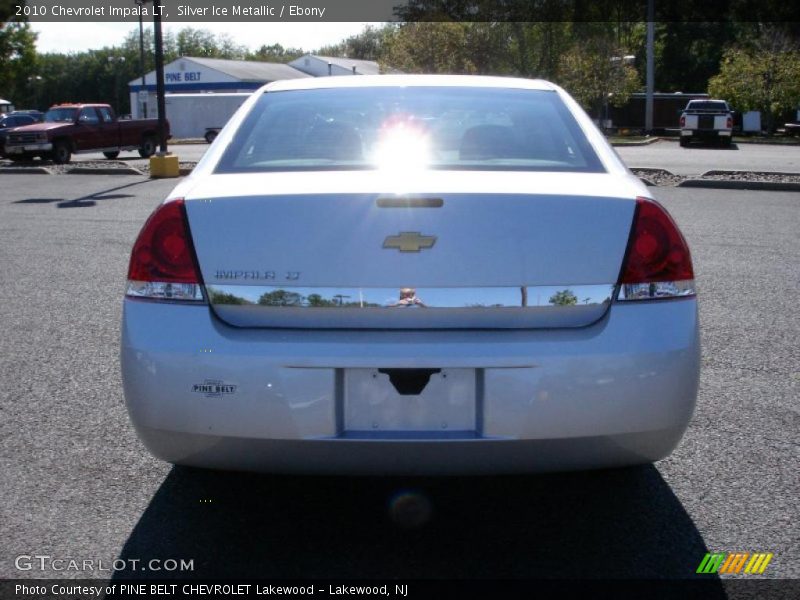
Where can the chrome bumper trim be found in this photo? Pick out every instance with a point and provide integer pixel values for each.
(19, 148)
(452, 307)
(407, 297)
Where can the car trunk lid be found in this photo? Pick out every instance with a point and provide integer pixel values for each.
(472, 250)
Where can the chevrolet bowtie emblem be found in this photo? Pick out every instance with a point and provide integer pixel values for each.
(409, 241)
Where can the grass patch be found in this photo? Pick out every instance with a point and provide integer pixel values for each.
(760, 139)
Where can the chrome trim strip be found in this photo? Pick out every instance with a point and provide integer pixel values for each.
(269, 296)
(656, 291)
(160, 290)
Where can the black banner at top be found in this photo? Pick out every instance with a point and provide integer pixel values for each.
(220, 11)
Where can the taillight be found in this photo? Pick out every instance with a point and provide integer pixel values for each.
(163, 264)
(729, 124)
(683, 121)
(657, 262)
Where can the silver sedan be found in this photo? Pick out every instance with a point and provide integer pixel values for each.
(410, 274)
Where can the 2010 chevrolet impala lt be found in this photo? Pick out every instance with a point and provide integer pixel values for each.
(410, 274)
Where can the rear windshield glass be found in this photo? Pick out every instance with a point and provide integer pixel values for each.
(720, 106)
(397, 127)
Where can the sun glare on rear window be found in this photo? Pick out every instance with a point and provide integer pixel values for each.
(410, 128)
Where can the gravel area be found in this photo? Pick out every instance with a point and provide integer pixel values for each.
(662, 177)
(657, 177)
(753, 176)
(59, 169)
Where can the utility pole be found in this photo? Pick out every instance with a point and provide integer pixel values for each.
(648, 106)
(162, 105)
(162, 163)
(141, 59)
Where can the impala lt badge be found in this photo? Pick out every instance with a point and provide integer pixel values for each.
(409, 241)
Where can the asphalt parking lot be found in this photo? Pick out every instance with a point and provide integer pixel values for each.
(699, 158)
(78, 484)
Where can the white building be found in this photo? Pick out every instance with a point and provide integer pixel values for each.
(197, 77)
(194, 75)
(326, 66)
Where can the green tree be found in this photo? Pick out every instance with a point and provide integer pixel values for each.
(594, 71)
(281, 298)
(535, 48)
(564, 298)
(18, 79)
(429, 48)
(275, 53)
(764, 76)
(317, 301)
(225, 298)
(92, 76)
(688, 54)
(367, 45)
(204, 43)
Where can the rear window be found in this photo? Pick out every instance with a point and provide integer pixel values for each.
(704, 105)
(394, 127)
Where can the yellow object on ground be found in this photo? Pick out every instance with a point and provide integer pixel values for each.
(164, 165)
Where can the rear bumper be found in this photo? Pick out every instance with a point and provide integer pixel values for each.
(618, 392)
(28, 148)
(706, 133)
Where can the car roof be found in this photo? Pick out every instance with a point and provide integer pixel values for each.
(362, 81)
(80, 105)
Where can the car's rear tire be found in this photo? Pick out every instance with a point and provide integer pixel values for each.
(726, 142)
(111, 155)
(148, 147)
(19, 157)
(211, 136)
(684, 142)
(62, 153)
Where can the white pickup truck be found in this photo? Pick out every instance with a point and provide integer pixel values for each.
(707, 120)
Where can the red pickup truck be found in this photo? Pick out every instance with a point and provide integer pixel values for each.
(73, 128)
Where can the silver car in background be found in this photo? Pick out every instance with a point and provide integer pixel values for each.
(410, 274)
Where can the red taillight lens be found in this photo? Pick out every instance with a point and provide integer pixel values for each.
(730, 123)
(163, 251)
(657, 251)
(683, 121)
(163, 263)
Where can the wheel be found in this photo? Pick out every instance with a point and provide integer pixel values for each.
(61, 152)
(111, 155)
(18, 157)
(726, 142)
(211, 135)
(148, 147)
(684, 142)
